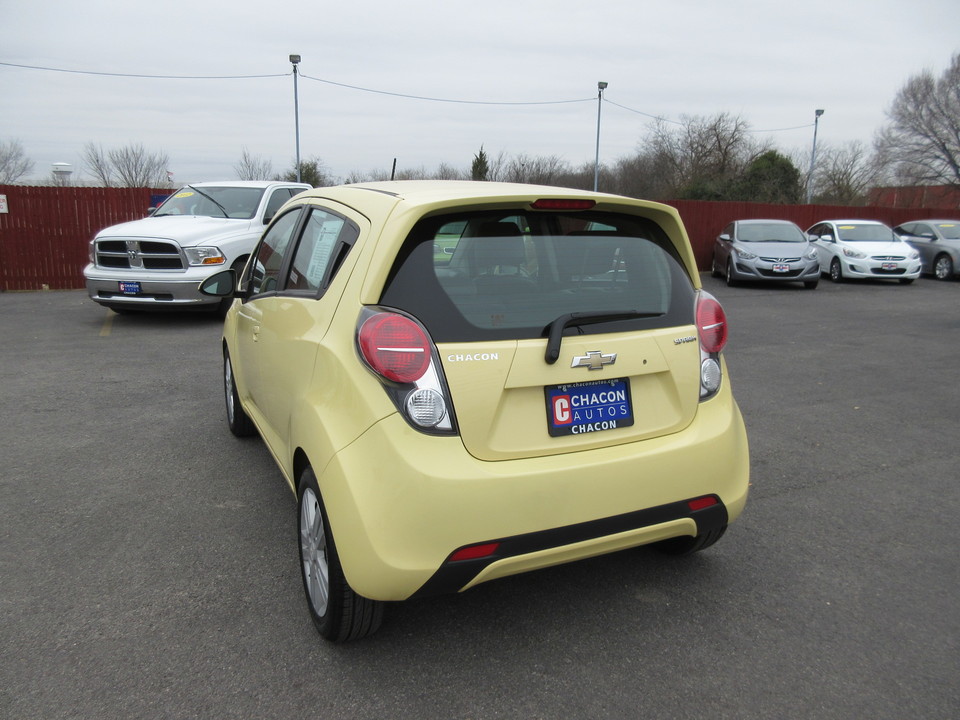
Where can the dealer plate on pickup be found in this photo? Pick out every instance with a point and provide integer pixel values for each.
(577, 408)
(129, 288)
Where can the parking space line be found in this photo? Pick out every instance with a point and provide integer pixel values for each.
(107, 324)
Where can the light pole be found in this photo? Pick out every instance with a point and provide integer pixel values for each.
(813, 155)
(601, 86)
(294, 60)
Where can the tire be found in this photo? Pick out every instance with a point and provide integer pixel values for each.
(686, 544)
(942, 267)
(811, 284)
(731, 282)
(239, 422)
(338, 613)
(714, 270)
(836, 271)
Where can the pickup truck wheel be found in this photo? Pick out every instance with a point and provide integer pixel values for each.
(240, 423)
(338, 613)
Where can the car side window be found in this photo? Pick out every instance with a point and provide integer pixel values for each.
(266, 265)
(277, 198)
(325, 240)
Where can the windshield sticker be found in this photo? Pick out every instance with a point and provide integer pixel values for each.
(183, 195)
(846, 227)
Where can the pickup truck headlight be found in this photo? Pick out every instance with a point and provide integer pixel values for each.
(204, 256)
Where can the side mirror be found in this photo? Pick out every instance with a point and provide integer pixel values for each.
(725, 237)
(222, 284)
(827, 238)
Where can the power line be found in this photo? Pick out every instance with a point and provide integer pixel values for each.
(150, 77)
(370, 90)
(445, 100)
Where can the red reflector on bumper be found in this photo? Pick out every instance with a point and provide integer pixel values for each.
(474, 551)
(701, 503)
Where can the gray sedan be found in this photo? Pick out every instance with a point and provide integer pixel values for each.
(770, 250)
(938, 242)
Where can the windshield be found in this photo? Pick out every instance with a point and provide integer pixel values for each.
(212, 201)
(497, 275)
(770, 232)
(950, 231)
(866, 233)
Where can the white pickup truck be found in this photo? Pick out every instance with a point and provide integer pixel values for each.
(157, 263)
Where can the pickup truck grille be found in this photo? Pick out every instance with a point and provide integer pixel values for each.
(137, 254)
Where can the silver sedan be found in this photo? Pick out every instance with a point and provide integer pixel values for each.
(938, 242)
(769, 250)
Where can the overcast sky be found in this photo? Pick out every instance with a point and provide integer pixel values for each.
(771, 63)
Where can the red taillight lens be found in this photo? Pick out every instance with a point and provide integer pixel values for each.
(395, 347)
(711, 324)
(562, 204)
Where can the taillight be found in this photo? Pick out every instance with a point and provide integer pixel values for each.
(562, 204)
(711, 324)
(395, 347)
(712, 329)
(400, 352)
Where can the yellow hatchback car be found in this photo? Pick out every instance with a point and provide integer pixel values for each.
(462, 381)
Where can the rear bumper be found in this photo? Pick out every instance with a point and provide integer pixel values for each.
(401, 503)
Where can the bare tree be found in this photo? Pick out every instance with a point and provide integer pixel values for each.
(253, 167)
(539, 169)
(702, 157)
(96, 163)
(14, 163)
(128, 166)
(844, 175)
(923, 138)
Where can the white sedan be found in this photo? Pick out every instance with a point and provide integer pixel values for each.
(863, 249)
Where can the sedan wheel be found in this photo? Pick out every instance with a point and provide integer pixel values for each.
(943, 267)
(836, 272)
(730, 280)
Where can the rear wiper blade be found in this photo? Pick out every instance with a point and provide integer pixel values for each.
(556, 328)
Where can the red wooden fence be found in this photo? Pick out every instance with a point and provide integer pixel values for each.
(44, 234)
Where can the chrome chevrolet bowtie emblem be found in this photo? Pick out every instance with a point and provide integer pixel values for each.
(594, 360)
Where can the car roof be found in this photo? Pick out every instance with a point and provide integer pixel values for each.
(930, 220)
(852, 221)
(423, 192)
(758, 221)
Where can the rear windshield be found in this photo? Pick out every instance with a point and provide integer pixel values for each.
(498, 275)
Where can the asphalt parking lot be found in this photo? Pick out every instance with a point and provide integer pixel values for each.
(149, 558)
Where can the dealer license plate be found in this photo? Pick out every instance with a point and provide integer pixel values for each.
(890, 266)
(585, 407)
(130, 288)
(781, 268)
